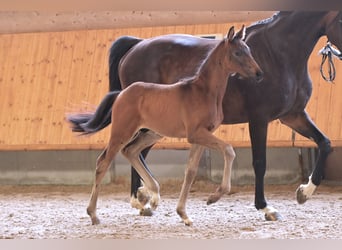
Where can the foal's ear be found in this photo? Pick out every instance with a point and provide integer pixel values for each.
(241, 33)
(230, 34)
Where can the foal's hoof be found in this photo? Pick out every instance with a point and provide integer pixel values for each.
(274, 216)
(146, 212)
(143, 196)
(188, 222)
(301, 197)
(213, 198)
(95, 221)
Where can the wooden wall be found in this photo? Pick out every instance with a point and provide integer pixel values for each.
(43, 76)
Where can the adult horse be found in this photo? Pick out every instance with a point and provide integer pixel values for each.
(281, 45)
(190, 108)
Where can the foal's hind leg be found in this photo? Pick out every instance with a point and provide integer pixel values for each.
(302, 124)
(102, 165)
(121, 134)
(139, 193)
(132, 153)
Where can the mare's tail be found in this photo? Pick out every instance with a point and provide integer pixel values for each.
(118, 49)
(90, 123)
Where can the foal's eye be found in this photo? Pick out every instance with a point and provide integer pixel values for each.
(238, 53)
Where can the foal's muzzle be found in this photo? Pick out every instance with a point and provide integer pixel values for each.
(259, 76)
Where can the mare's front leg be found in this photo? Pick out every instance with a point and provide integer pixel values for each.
(190, 174)
(302, 124)
(258, 135)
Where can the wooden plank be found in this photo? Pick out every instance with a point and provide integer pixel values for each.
(334, 111)
(324, 105)
(24, 86)
(72, 94)
(38, 88)
(49, 87)
(67, 48)
(6, 42)
(16, 93)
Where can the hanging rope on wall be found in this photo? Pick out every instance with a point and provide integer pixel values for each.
(328, 52)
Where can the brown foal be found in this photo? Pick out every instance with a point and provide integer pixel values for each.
(190, 108)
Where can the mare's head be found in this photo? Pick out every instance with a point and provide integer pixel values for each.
(333, 28)
(239, 56)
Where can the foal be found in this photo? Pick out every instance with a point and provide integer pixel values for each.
(191, 108)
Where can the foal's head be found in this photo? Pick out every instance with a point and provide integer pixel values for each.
(239, 57)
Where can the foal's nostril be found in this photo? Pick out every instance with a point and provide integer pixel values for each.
(259, 75)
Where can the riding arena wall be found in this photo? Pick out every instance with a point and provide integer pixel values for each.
(44, 76)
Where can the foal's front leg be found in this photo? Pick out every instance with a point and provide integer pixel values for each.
(206, 138)
(229, 155)
(198, 140)
(190, 174)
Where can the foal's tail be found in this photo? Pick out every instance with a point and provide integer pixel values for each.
(118, 49)
(90, 123)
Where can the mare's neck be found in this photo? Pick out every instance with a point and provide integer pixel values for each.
(294, 34)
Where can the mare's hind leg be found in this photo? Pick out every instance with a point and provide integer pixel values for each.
(302, 124)
(132, 152)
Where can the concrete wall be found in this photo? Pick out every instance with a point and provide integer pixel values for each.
(284, 166)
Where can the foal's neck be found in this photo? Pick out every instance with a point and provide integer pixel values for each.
(213, 73)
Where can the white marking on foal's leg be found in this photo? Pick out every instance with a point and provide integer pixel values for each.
(305, 191)
(155, 200)
(271, 214)
(142, 202)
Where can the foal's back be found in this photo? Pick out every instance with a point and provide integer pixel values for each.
(165, 109)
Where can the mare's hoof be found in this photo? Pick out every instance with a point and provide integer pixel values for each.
(301, 197)
(274, 216)
(146, 212)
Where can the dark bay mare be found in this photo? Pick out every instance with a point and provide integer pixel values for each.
(281, 45)
(190, 108)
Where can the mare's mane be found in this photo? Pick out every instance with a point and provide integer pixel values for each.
(263, 22)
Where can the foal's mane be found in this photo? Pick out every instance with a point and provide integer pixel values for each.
(210, 52)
